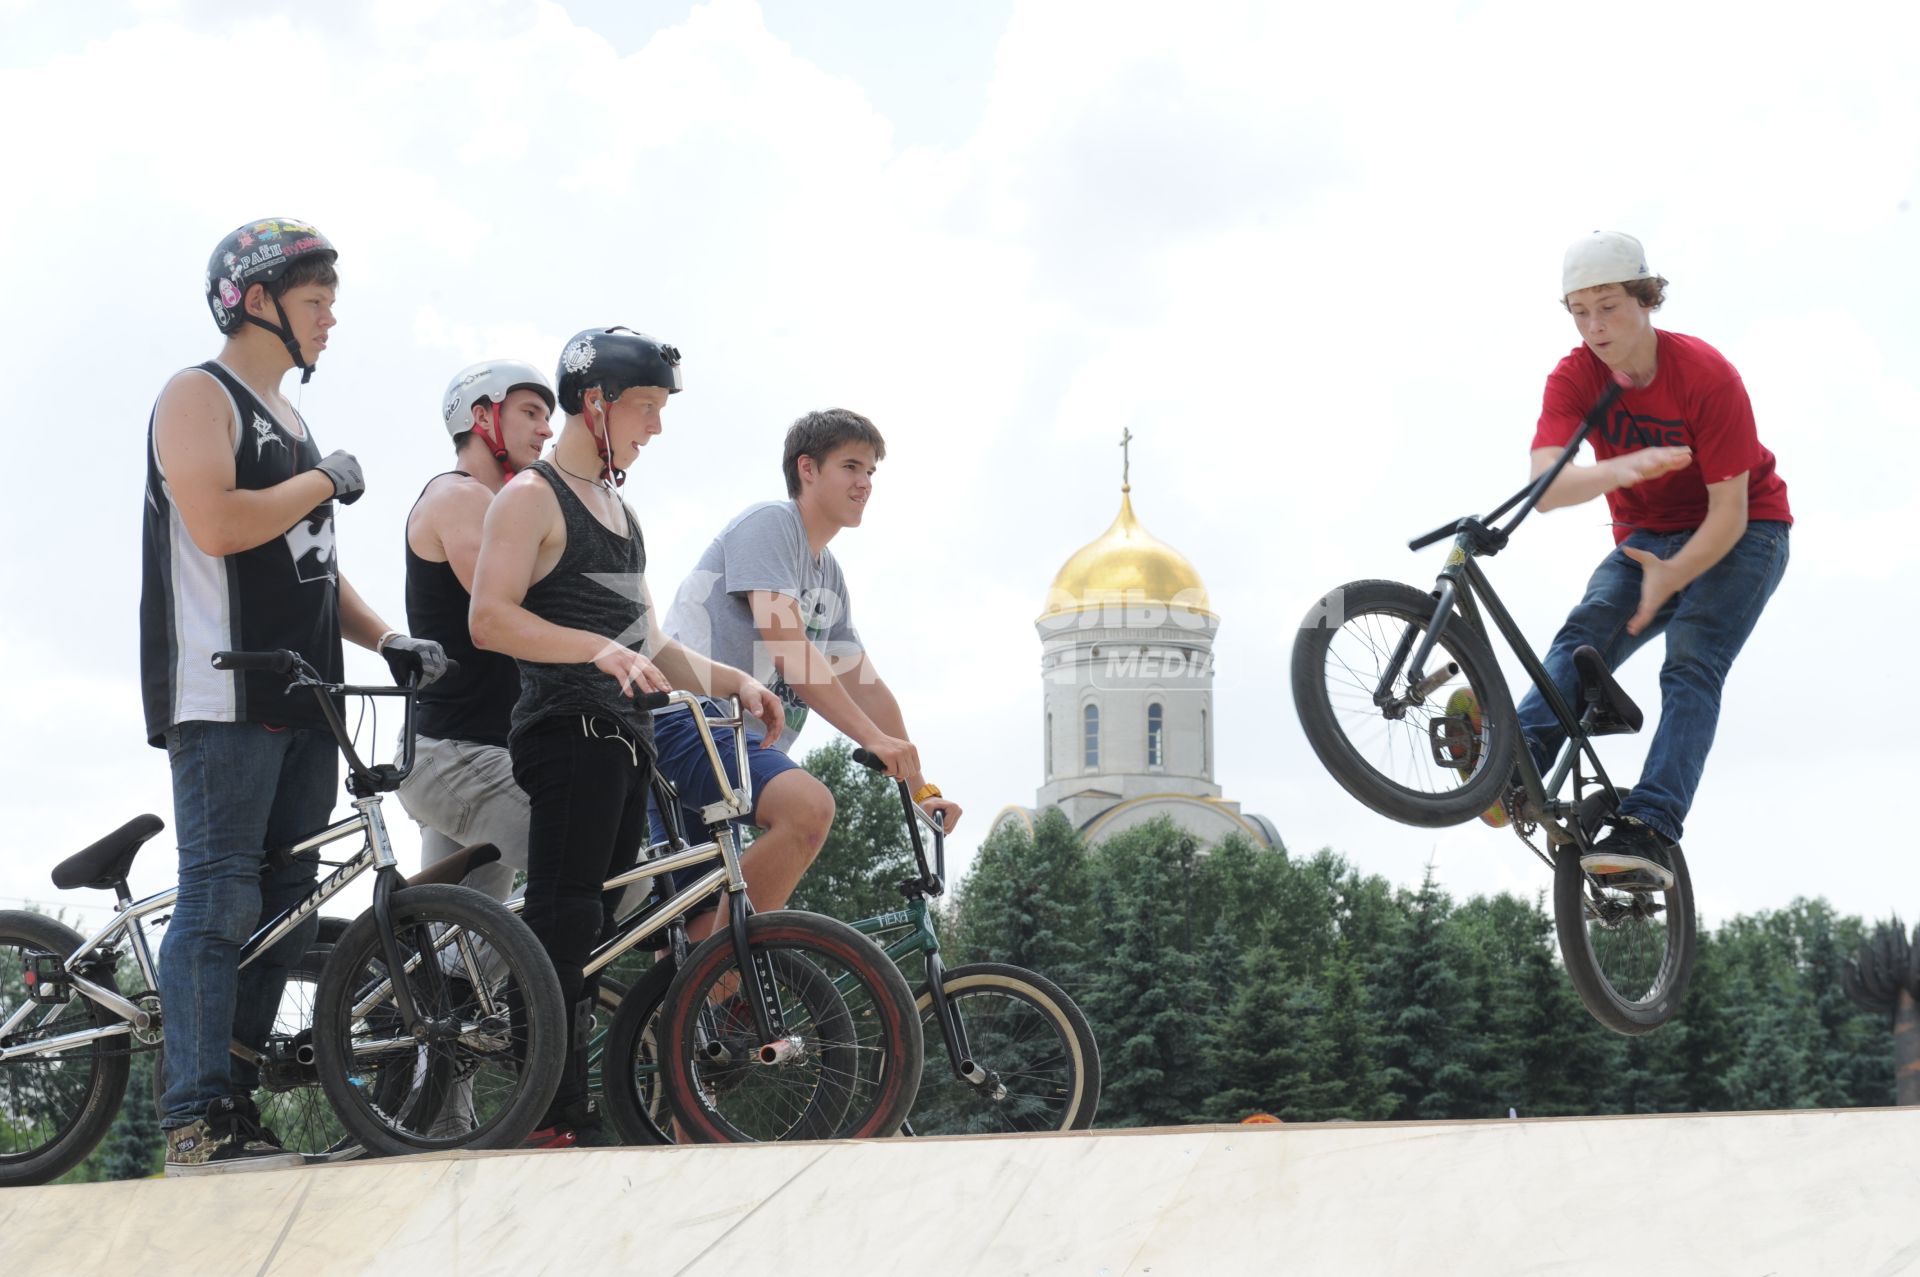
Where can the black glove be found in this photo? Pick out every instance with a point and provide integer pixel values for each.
(406, 655)
(344, 469)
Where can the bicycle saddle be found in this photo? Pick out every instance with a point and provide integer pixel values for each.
(1613, 711)
(106, 862)
(456, 867)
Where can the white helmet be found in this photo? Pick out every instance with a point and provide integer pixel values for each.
(490, 382)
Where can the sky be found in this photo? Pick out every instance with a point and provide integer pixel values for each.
(1307, 254)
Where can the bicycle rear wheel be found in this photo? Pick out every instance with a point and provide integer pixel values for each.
(1420, 758)
(54, 1108)
(491, 1061)
(1629, 954)
(1039, 1067)
(846, 1066)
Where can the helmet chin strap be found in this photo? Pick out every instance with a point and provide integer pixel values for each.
(497, 442)
(610, 474)
(285, 333)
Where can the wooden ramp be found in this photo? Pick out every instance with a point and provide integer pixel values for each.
(1788, 1193)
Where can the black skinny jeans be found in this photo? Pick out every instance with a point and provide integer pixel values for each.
(587, 789)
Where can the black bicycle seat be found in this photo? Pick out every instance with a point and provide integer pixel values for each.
(1613, 711)
(106, 862)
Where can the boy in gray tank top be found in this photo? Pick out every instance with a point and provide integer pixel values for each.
(560, 585)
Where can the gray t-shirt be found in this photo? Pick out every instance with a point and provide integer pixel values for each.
(764, 548)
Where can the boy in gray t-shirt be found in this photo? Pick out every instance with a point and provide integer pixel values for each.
(769, 598)
(765, 549)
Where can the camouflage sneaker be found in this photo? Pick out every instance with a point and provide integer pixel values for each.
(227, 1139)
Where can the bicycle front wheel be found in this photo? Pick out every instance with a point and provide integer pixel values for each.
(846, 1056)
(630, 1061)
(1034, 1066)
(292, 1103)
(496, 1039)
(1432, 755)
(54, 1107)
(1628, 953)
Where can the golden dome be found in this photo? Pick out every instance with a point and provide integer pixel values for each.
(1126, 566)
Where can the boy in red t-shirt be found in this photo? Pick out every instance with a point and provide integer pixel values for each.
(1700, 523)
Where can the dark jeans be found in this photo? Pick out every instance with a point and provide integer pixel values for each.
(586, 782)
(238, 788)
(1706, 624)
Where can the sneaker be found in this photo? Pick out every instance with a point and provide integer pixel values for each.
(1634, 857)
(575, 1125)
(228, 1139)
(1464, 705)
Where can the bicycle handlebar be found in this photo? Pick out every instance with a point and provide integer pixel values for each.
(280, 662)
(933, 880)
(1488, 539)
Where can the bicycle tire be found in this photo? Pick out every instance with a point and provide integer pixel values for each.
(885, 1044)
(89, 1081)
(1042, 1074)
(293, 1105)
(388, 1092)
(630, 1061)
(1393, 767)
(1607, 938)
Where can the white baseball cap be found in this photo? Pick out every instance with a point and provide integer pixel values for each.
(1604, 257)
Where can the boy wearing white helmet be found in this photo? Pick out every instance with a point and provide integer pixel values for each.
(1700, 520)
(461, 789)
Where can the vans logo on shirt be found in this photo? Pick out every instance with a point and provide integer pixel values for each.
(1626, 430)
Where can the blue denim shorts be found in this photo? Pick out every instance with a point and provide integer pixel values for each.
(682, 759)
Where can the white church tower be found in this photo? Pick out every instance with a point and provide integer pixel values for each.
(1127, 715)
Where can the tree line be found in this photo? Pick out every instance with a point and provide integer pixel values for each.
(1227, 980)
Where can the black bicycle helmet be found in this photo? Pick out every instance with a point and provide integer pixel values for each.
(614, 359)
(261, 253)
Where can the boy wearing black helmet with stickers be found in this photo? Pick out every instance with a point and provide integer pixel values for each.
(560, 586)
(238, 554)
(461, 789)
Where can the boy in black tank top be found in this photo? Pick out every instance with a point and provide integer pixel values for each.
(238, 553)
(560, 586)
(461, 789)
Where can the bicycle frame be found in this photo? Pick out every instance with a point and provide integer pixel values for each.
(1462, 585)
(131, 918)
(921, 938)
(366, 784)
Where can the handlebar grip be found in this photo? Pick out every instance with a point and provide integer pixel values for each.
(280, 662)
(868, 761)
(652, 700)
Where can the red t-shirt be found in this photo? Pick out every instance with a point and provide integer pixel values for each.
(1697, 401)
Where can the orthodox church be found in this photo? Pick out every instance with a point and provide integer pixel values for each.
(1126, 665)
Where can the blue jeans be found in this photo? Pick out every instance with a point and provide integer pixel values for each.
(238, 788)
(1706, 625)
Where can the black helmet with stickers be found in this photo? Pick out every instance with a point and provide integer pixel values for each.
(261, 252)
(614, 359)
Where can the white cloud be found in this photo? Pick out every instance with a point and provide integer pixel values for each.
(1307, 254)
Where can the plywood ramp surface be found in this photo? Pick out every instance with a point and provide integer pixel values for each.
(1786, 1193)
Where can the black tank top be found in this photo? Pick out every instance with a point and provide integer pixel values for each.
(283, 594)
(474, 703)
(594, 587)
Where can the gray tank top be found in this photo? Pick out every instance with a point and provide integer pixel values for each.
(594, 587)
